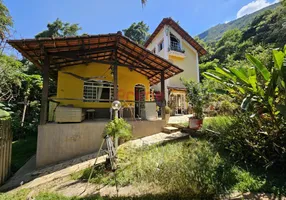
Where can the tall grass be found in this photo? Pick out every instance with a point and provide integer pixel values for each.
(190, 168)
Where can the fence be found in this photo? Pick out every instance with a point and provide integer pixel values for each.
(5, 149)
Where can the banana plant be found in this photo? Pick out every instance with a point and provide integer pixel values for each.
(263, 95)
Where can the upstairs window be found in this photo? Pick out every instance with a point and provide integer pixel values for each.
(98, 91)
(154, 50)
(160, 45)
(175, 43)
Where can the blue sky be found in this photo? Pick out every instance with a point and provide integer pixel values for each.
(108, 16)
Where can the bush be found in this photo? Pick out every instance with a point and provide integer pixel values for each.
(118, 128)
(253, 141)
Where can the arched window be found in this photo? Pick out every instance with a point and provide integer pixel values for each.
(175, 43)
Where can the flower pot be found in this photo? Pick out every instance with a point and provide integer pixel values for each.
(167, 117)
(195, 123)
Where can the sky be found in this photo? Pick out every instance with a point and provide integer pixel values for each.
(109, 16)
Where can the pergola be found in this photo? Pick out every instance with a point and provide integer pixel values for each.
(53, 54)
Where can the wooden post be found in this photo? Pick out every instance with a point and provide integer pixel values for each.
(163, 95)
(115, 81)
(45, 91)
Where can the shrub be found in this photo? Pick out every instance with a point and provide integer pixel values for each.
(253, 141)
(118, 128)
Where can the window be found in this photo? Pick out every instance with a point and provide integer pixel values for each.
(98, 91)
(175, 44)
(160, 45)
(154, 50)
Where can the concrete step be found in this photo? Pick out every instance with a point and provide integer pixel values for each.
(176, 125)
(170, 129)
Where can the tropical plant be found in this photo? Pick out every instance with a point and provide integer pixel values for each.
(196, 97)
(118, 128)
(262, 93)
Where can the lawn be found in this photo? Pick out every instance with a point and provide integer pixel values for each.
(22, 151)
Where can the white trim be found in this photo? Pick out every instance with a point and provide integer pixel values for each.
(198, 66)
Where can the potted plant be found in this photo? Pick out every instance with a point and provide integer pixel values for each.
(167, 113)
(195, 96)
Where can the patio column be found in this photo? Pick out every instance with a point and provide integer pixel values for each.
(45, 91)
(115, 81)
(163, 95)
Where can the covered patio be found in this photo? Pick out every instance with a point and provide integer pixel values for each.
(52, 55)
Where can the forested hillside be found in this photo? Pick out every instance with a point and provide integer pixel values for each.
(265, 32)
(217, 31)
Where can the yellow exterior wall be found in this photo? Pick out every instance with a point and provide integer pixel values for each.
(188, 64)
(71, 87)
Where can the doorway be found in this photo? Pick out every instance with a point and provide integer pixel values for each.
(139, 100)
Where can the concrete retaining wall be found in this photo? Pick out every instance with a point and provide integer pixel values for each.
(60, 142)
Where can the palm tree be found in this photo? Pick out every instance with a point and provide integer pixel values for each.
(143, 2)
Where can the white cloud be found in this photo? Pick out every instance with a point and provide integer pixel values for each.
(253, 6)
(226, 21)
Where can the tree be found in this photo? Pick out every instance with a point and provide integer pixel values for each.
(10, 77)
(59, 29)
(137, 32)
(5, 22)
(143, 2)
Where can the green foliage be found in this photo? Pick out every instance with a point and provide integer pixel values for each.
(216, 32)
(249, 140)
(261, 95)
(195, 169)
(218, 123)
(19, 195)
(10, 77)
(195, 96)
(137, 32)
(118, 128)
(59, 29)
(6, 21)
(22, 151)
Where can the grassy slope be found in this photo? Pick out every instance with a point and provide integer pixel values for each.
(22, 151)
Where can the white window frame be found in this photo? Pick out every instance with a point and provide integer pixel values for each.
(91, 88)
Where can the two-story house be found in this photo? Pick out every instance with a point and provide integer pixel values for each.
(172, 42)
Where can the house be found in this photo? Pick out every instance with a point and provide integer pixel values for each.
(91, 72)
(173, 43)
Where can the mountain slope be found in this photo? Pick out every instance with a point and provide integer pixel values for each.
(217, 31)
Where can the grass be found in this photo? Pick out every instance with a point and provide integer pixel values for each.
(218, 124)
(20, 195)
(191, 168)
(22, 151)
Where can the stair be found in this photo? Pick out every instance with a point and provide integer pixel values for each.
(170, 129)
